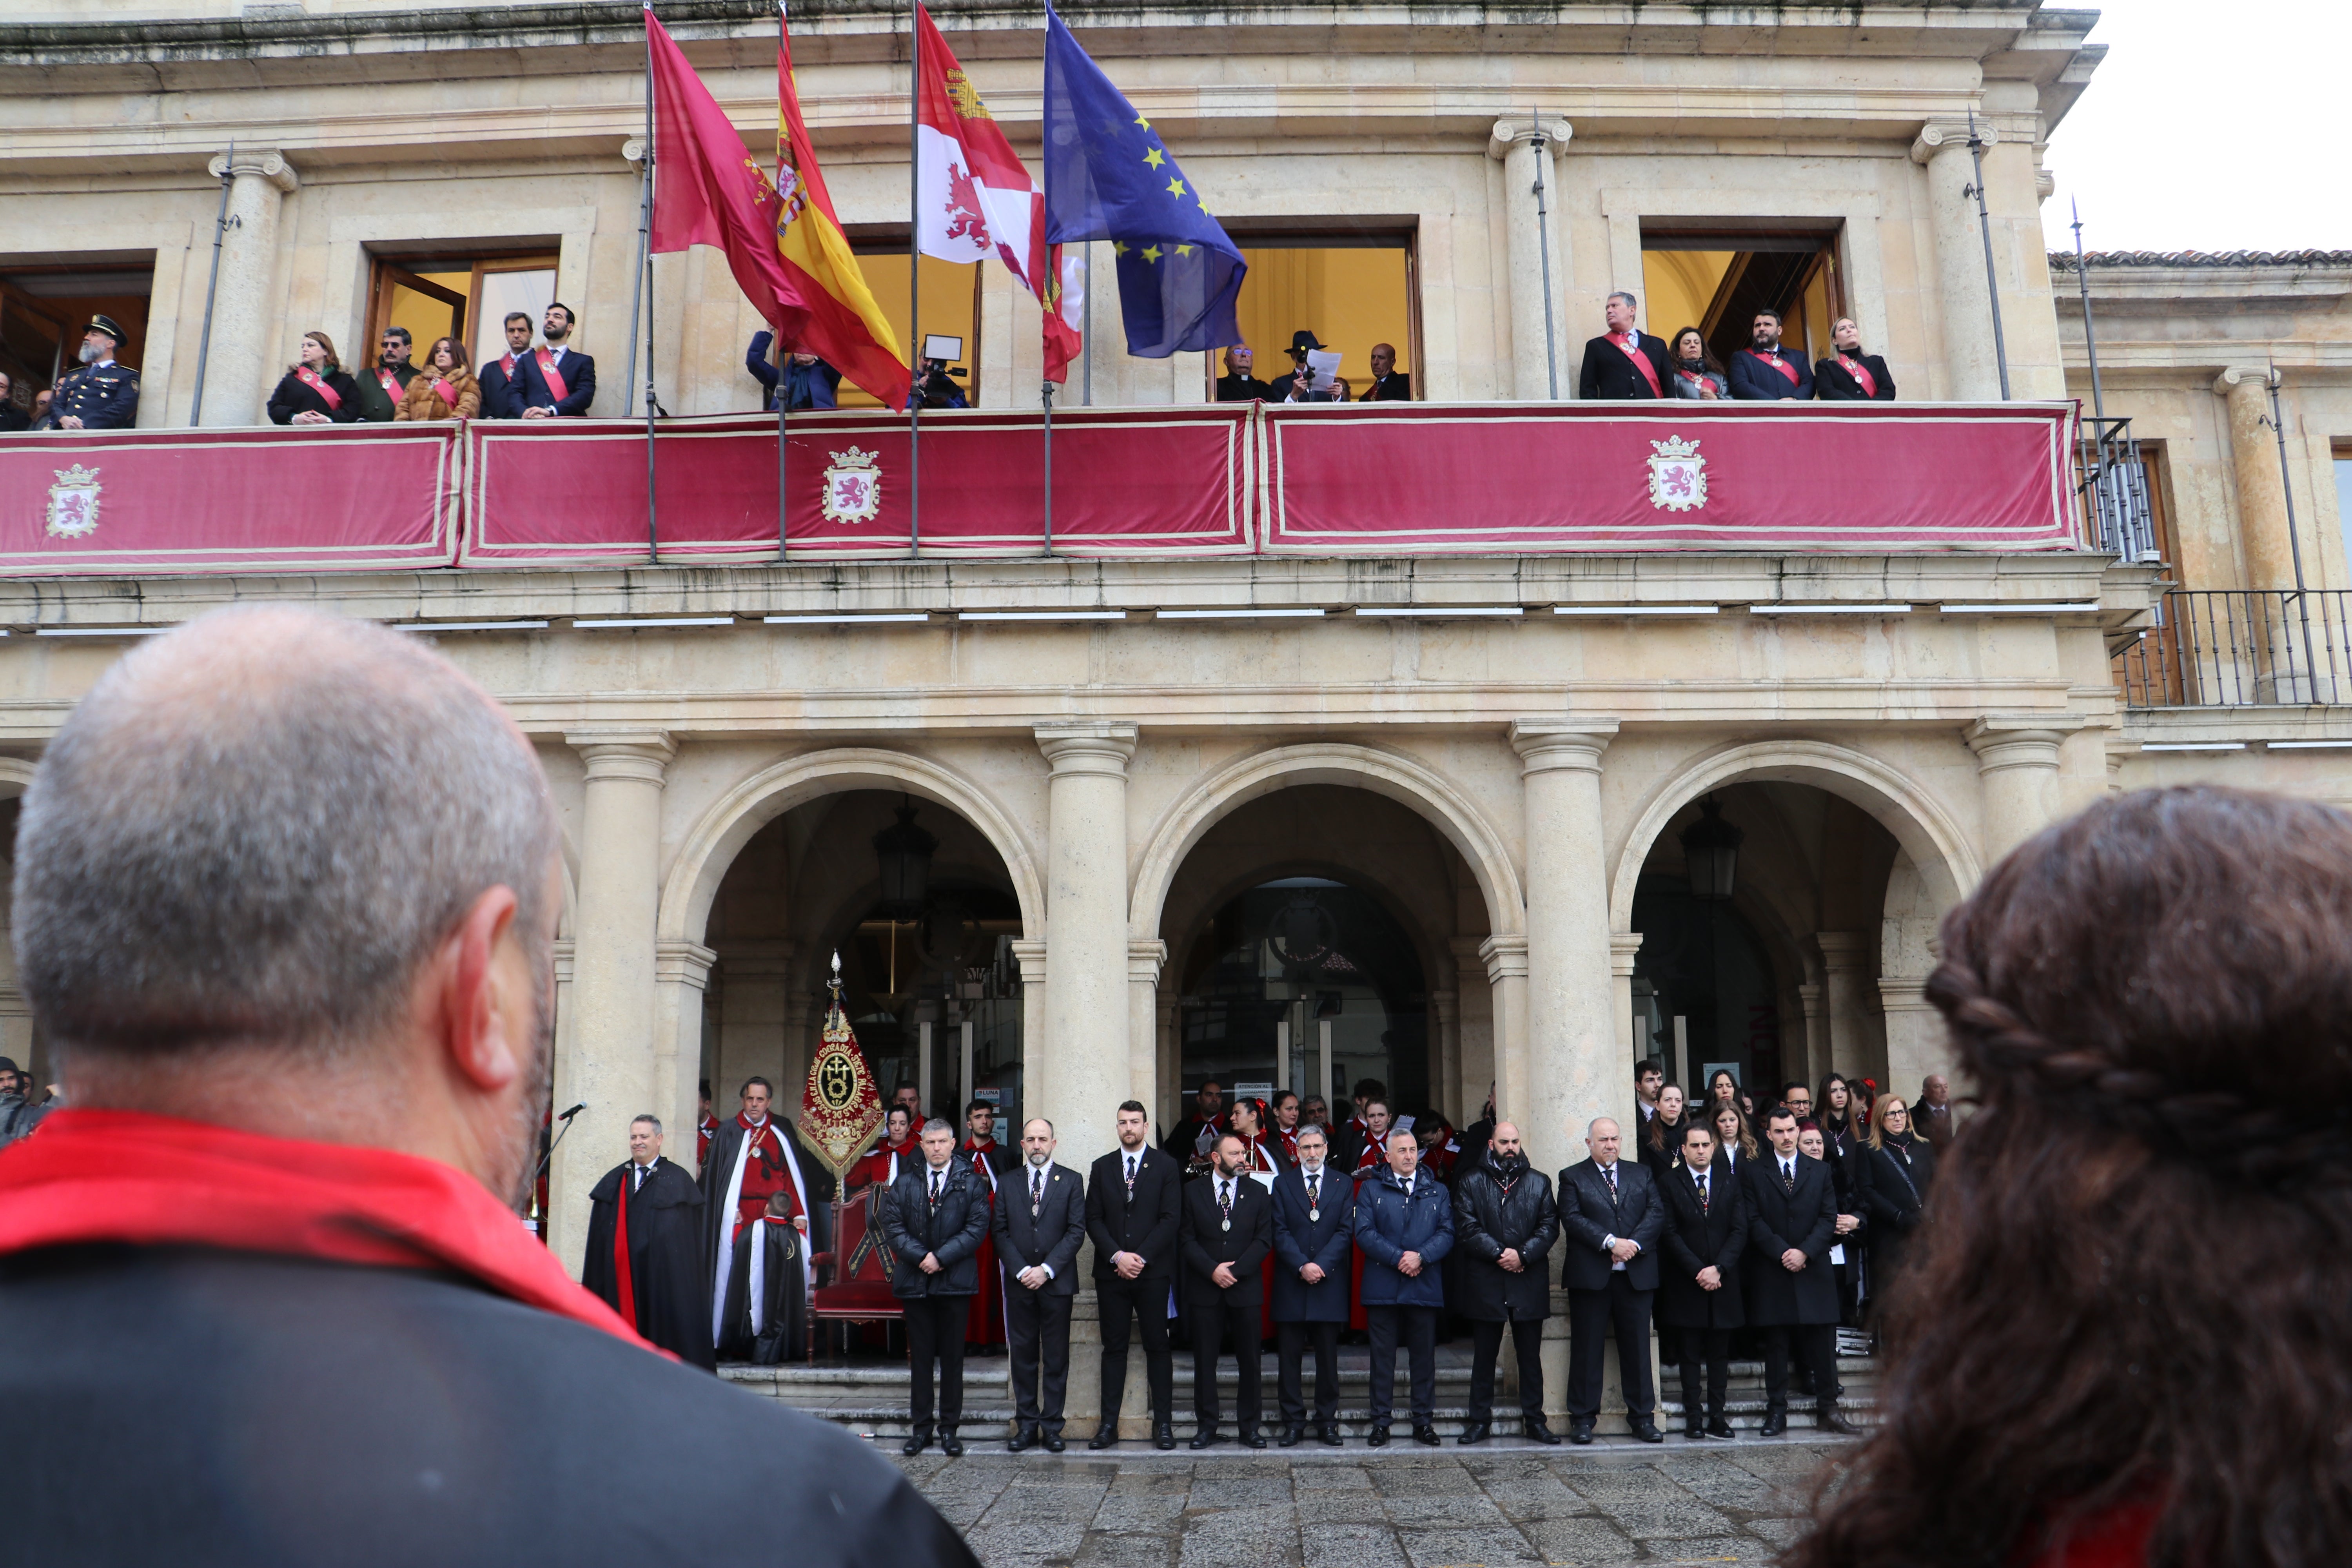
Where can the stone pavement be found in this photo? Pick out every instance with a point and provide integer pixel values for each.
(1519, 1507)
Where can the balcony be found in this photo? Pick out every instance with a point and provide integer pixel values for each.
(2238, 648)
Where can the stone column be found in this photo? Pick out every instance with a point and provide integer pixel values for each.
(1845, 961)
(247, 311)
(1087, 1006)
(1514, 143)
(569, 1249)
(1917, 1044)
(1144, 960)
(1444, 1017)
(1622, 947)
(1506, 958)
(1817, 1064)
(1031, 957)
(614, 1050)
(2254, 463)
(681, 970)
(1569, 1071)
(1966, 308)
(2017, 772)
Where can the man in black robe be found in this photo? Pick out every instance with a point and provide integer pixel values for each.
(766, 1314)
(658, 1230)
(1240, 383)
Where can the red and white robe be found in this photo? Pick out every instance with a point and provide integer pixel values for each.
(985, 1325)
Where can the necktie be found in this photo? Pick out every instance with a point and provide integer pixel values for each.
(935, 1189)
(1315, 1190)
(640, 1182)
(1226, 1201)
(1788, 1176)
(1036, 1191)
(1610, 1171)
(1130, 1178)
(1702, 1195)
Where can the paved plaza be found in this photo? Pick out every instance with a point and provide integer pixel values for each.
(1519, 1507)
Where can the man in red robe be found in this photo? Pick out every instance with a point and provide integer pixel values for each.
(990, 1159)
(753, 1158)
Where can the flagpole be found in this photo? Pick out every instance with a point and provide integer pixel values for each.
(1050, 297)
(783, 357)
(914, 286)
(1087, 313)
(646, 263)
(1046, 387)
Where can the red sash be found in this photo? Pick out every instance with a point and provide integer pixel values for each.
(506, 364)
(445, 392)
(318, 384)
(554, 377)
(1777, 362)
(195, 1184)
(1692, 375)
(1861, 373)
(1632, 347)
(627, 1290)
(391, 384)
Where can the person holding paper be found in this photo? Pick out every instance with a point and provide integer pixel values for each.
(1314, 373)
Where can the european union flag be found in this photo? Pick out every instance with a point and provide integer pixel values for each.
(1108, 176)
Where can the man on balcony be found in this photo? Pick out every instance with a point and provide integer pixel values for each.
(1850, 375)
(555, 380)
(1624, 363)
(1761, 372)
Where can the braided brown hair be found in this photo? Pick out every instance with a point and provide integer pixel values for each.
(2135, 1291)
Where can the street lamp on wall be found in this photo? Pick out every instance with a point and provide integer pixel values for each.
(905, 852)
(1711, 854)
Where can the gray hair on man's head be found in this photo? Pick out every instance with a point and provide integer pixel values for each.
(649, 1119)
(937, 1124)
(1630, 302)
(255, 828)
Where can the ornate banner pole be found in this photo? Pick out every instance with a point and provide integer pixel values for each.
(841, 1110)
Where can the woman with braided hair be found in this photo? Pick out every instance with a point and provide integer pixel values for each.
(2124, 1331)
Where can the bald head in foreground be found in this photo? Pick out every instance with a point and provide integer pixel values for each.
(286, 893)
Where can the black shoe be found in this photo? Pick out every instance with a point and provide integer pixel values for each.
(1380, 1437)
(1536, 1429)
(1695, 1430)
(1474, 1434)
(1580, 1432)
(1647, 1430)
(951, 1444)
(1105, 1436)
(915, 1444)
(1716, 1426)
(1054, 1444)
(1427, 1436)
(1023, 1439)
(1291, 1434)
(1831, 1421)
(1775, 1422)
(1163, 1436)
(1330, 1436)
(1206, 1438)
(1252, 1438)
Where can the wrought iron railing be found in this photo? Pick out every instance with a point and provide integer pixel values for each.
(2113, 482)
(2237, 647)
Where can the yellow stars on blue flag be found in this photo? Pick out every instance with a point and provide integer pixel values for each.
(1175, 187)
(1155, 157)
(1151, 253)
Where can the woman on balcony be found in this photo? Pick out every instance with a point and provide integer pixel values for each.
(445, 389)
(317, 390)
(1696, 373)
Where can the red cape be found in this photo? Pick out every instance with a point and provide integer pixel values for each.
(198, 1184)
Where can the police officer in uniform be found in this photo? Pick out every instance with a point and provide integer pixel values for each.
(98, 394)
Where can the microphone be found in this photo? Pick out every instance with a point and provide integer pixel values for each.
(573, 1111)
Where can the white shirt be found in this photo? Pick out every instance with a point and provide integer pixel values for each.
(637, 1178)
(1225, 1191)
(1787, 1170)
(1037, 1179)
(937, 1174)
(1608, 1243)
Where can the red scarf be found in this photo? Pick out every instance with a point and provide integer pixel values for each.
(318, 384)
(1631, 345)
(201, 1185)
(555, 378)
(1777, 362)
(1861, 373)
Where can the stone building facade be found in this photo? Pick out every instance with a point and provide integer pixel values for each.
(1273, 820)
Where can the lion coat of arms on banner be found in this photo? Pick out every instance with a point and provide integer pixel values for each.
(73, 502)
(842, 1109)
(1677, 475)
(853, 488)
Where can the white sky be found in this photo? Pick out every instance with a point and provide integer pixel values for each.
(2210, 127)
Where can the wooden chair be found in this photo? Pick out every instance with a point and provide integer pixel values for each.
(857, 1272)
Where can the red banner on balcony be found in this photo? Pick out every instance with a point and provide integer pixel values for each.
(1132, 481)
(330, 497)
(1870, 479)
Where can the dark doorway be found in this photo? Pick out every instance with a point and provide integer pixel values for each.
(1718, 278)
(1701, 963)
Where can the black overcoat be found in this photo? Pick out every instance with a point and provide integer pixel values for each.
(665, 1273)
(1693, 1240)
(1778, 1220)
(1488, 1218)
(1893, 1192)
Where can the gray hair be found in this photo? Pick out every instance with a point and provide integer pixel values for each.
(649, 1119)
(255, 829)
(937, 1124)
(1630, 302)
(1046, 1123)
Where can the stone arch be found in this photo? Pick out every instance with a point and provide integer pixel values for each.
(711, 848)
(1938, 850)
(15, 776)
(1406, 780)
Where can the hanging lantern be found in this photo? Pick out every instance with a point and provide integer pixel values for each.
(1711, 853)
(904, 851)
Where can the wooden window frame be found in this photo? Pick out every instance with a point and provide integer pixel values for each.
(401, 270)
(1336, 234)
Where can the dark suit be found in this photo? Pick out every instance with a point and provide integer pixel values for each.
(1319, 1310)
(1835, 380)
(13, 419)
(935, 1305)
(1802, 1307)
(1602, 1296)
(1148, 1225)
(498, 390)
(1609, 372)
(1709, 1235)
(1754, 379)
(530, 389)
(1217, 1313)
(1394, 387)
(1234, 388)
(1047, 1229)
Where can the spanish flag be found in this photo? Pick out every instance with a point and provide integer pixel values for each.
(782, 240)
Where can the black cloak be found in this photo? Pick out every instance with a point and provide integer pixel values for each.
(782, 1329)
(665, 1272)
